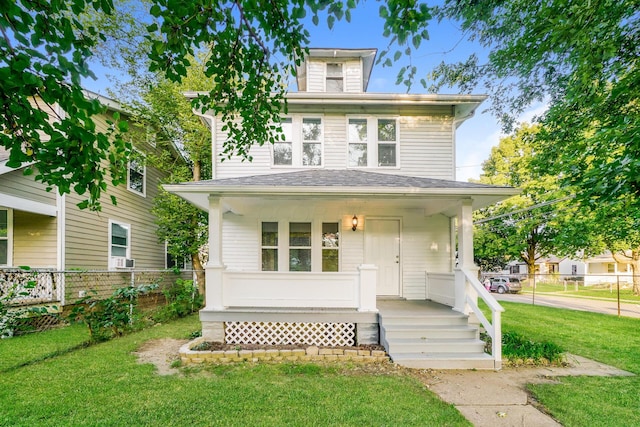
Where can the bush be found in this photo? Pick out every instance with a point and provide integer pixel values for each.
(515, 347)
(182, 299)
(12, 318)
(109, 317)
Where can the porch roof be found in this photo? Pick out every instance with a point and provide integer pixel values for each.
(332, 183)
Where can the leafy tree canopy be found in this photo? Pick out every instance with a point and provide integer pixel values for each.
(45, 46)
(579, 57)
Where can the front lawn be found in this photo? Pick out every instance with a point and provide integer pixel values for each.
(585, 401)
(104, 385)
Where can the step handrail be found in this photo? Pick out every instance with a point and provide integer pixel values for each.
(493, 328)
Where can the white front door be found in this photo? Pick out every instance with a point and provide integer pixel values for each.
(382, 248)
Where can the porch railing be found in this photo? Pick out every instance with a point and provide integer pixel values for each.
(467, 288)
(272, 289)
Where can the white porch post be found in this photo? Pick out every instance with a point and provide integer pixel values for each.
(214, 267)
(465, 255)
(368, 285)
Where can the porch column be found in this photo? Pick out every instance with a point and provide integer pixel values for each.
(465, 256)
(214, 267)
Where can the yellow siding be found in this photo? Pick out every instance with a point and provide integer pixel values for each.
(34, 240)
(86, 232)
(15, 183)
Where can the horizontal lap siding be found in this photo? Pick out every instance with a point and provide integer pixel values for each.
(426, 148)
(15, 183)
(315, 76)
(86, 232)
(425, 240)
(353, 74)
(34, 240)
(335, 145)
(235, 167)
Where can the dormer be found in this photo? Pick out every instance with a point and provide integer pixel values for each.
(335, 70)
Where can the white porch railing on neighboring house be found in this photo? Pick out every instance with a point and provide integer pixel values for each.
(468, 288)
(19, 286)
(272, 289)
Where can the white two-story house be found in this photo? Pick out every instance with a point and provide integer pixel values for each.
(353, 228)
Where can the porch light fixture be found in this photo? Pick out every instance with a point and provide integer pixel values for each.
(354, 223)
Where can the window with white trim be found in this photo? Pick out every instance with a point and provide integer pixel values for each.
(136, 174)
(302, 144)
(119, 243)
(269, 246)
(358, 142)
(299, 246)
(283, 150)
(6, 234)
(330, 246)
(387, 142)
(372, 141)
(335, 77)
(311, 142)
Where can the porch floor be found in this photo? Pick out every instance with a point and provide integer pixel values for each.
(427, 335)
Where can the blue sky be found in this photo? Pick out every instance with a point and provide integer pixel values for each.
(475, 137)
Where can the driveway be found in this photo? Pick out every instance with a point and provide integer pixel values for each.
(574, 303)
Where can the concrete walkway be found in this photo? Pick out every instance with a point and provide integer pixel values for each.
(493, 399)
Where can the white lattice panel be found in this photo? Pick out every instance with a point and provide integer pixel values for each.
(283, 333)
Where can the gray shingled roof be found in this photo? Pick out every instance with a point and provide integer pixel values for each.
(338, 178)
(4, 154)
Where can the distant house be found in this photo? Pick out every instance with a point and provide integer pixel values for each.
(548, 267)
(604, 268)
(45, 230)
(346, 231)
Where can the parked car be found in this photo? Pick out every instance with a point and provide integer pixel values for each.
(505, 284)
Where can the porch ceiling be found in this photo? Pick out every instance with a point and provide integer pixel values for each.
(353, 188)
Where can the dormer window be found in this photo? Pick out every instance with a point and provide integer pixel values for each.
(335, 78)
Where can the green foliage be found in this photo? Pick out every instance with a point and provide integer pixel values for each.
(579, 57)
(182, 299)
(12, 317)
(43, 54)
(516, 347)
(524, 227)
(109, 317)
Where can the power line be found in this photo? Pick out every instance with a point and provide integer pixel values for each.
(532, 207)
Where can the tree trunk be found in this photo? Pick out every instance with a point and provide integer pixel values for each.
(621, 257)
(200, 276)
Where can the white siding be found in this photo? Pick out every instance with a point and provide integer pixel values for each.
(424, 240)
(425, 144)
(353, 76)
(316, 76)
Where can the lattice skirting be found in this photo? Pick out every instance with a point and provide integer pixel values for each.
(284, 333)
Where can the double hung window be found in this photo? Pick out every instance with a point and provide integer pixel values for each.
(372, 141)
(302, 144)
(310, 246)
(335, 78)
(119, 243)
(5, 236)
(269, 246)
(136, 174)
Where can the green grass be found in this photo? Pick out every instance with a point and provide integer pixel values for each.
(104, 385)
(585, 401)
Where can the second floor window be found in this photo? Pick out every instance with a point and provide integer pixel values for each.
(302, 144)
(372, 142)
(136, 174)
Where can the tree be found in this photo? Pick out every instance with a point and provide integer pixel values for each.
(46, 118)
(523, 227)
(163, 105)
(45, 46)
(579, 57)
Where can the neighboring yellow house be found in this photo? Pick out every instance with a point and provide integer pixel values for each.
(43, 229)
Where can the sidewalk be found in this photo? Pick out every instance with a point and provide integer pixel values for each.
(499, 398)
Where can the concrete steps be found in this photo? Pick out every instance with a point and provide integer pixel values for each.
(441, 339)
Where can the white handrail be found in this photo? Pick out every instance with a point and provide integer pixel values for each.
(493, 328)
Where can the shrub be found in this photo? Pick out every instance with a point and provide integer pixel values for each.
(515, 346)
(109, 317)
(182, 299)
(12, 318)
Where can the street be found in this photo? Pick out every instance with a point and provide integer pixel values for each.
(574, 303)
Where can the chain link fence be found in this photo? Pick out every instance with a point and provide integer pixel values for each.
(57, 291)
(618, 289)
